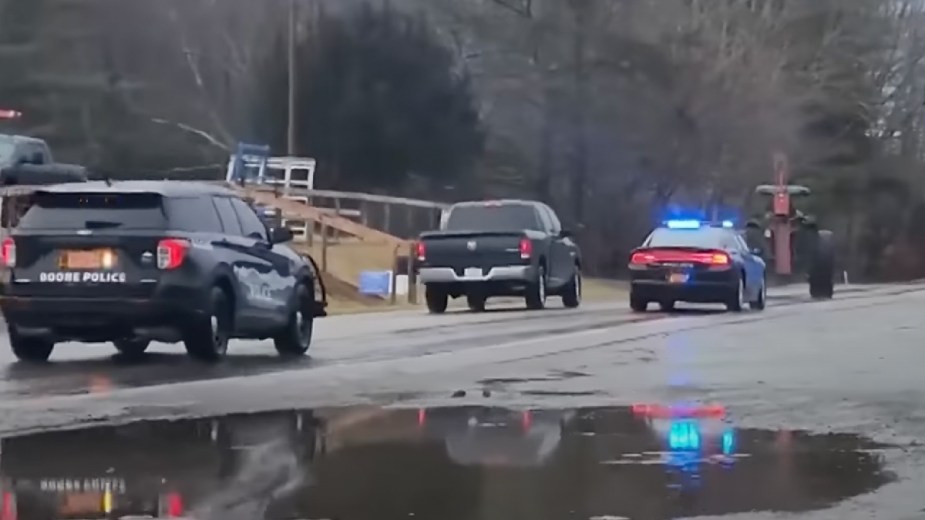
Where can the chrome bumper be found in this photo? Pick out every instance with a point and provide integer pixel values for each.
(524, 273)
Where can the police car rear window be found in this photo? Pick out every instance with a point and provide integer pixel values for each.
(94, 210)
(707, 238)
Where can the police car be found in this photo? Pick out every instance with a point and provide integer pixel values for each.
(693, 261)
(140, 261)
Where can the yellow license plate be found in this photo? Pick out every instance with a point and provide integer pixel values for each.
(92, 259)
(678, 277)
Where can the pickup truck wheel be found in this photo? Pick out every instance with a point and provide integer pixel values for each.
(476, 302)
(536, 291)
(571, 293)
(295, 339)
(437, 299)
(28, 349)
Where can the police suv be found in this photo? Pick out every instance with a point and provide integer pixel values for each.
(139, 261)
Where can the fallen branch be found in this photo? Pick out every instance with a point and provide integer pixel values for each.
(193, 130)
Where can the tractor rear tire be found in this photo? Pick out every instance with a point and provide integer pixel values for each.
(822, 268)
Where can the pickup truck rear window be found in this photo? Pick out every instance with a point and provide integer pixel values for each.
(70, 211)
(493, 217)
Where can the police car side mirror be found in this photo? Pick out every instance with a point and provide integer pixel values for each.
(280, 235)
(757, 251)
(566, 233)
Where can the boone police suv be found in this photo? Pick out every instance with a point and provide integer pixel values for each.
(141, 261)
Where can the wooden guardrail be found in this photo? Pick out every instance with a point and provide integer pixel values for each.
(397, 216)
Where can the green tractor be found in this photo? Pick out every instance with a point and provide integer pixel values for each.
(791, 241)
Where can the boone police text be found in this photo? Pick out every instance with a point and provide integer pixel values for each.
(90, 277)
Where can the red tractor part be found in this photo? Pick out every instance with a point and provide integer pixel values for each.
(780, 222)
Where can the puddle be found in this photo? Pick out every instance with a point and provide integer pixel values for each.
(437, 463)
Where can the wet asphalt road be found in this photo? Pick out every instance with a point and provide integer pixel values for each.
(852, 366)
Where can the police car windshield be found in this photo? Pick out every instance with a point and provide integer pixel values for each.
(703, 238)
(69, 211)
(492, 217)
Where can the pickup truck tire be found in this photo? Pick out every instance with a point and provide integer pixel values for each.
(571, 293)
(476, 302)
(536, 291)
(437, 299)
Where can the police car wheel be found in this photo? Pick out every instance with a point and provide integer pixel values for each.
(761, 299)
(295, 339)
(30, 349)
(207, 339)
(132, 348)
(736, 301)
(637, 304)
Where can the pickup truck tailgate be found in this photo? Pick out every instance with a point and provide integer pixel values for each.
(477, 249)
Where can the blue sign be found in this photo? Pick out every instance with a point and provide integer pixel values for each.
(377, 283)
(249, 162)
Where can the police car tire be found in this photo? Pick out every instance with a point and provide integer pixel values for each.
(761, 300)
(30, 350)
(736, 299)
(637, 304)
(200, 341)
(132, 348)
(293, 341)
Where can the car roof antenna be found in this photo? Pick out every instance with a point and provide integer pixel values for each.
(107, 180)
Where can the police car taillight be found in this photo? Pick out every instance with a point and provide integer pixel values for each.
(8, 252)
(171, 252)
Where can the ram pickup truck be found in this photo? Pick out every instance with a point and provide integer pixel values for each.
(28, 160)
(499, 248)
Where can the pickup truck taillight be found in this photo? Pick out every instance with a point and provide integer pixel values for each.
(8, 252)
(526, 248)
(421, 251)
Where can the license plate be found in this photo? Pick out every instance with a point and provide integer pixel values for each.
(81, 504)
(85, 259)
(678, 277)
(473, 272)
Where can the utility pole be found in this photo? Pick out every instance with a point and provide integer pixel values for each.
(290, 130)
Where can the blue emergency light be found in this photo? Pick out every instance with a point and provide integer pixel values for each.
(683, 224)
(695, 224)
(684, 436)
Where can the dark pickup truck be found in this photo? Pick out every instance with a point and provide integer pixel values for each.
(28, 160)
(499, 248)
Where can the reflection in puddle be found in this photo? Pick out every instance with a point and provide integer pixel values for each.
(447, 463)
